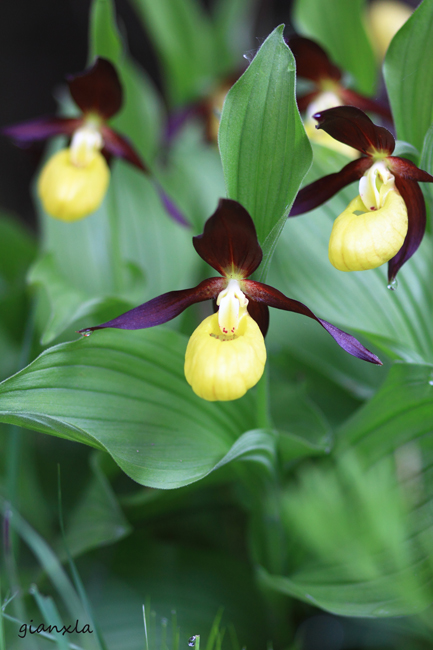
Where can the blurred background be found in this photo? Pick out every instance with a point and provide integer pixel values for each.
(41, 42)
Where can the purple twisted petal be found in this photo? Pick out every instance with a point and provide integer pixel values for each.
(274, 298)
(163, 308)
(41, 129)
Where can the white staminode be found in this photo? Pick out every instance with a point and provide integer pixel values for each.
(232, 304)
(86, 141)
(375, 185)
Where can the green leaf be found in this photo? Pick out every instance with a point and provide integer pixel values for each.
(2, 629)
(367, 522)
(97, 519)
(17, 251)
(50, 613)
(426, 163)
(408, 72)
(406, 150)
(397, 322)
(141, 115)
(338, 26)
(67, 303)
(194, 175)
(187, 583)
(104, 38)
(264, 149)
(46, 557)
(307, 342)
(334, 388)
(183, 37)
(328, 589)
(400, 413)
(100, 265)
(233, 22)
(302, 428)
(125, 392)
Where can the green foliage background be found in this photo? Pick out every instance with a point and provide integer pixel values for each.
(237, 521)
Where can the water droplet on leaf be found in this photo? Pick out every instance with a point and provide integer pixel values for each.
(86, 333)
(191, 641)
(393, 285)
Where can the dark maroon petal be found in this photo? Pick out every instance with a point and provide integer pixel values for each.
(416, 214)
(274, 298)
(260, 312)
(229, 241)
(97, 89)
(406, 169)
(163, 308)
(313, 195)
(351, 126)
(352, 98)
(41, 129)
(312, 62)
(117, 145)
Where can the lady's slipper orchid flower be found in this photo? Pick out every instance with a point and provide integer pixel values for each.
(386, 222)
(314, 65)
(226, 354)
(74, 181)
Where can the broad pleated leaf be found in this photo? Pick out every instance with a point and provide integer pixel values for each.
(104, 37)
(141, 115)
(408, 74)
(373, 555)
(338, 26)
(302, 427)
(96, 519)
(103, 264)
(193, 175)
(328, 589)
(264, 149)
(17, 251)
(99, 266)
(426, 163)
(233, 24)
(183, 38)
(125, 393)
(183, 583)
(315, 349)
